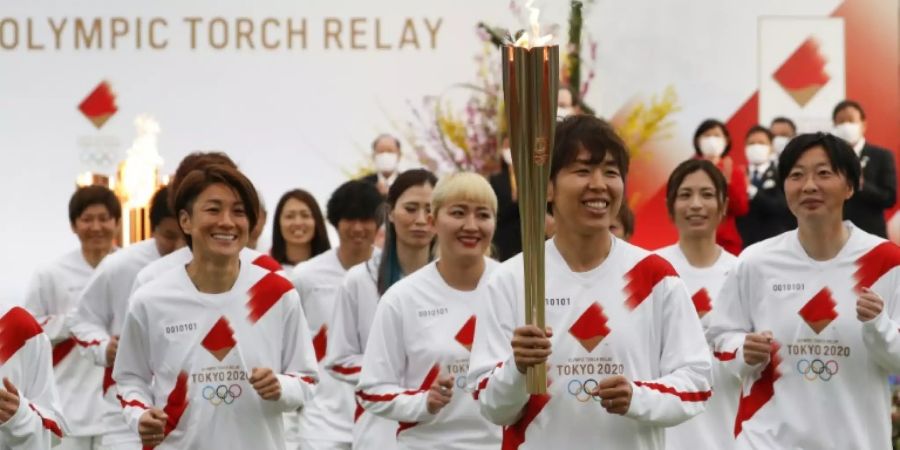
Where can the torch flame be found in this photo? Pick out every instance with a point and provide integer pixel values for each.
(535, 39)
(138, 174)
(84, 179)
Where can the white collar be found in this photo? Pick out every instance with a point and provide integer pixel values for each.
(387, 181)
(858, 148)
(760, 169)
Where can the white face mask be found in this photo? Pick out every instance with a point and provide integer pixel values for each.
(779, 143)
(563, 111)
(507, 156)
(712, 146)
(386, 162)
(848, 131)
(757, 154)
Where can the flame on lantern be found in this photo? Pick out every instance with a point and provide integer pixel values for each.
(138, 176)
(534, 39)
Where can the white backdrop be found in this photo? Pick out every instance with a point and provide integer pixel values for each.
(302, 117)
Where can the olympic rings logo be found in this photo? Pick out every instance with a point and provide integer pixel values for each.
(222, 394)
(583, 390)
(811, 370)
(461, 382)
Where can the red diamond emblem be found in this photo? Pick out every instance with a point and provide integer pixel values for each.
(803, 74)
(702, 302)
(819, 311)
(590, 329)
(467, 334)
(220, 339)
(320, 342)
(99, 105)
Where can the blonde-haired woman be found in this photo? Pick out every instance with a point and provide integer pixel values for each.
(417, 357)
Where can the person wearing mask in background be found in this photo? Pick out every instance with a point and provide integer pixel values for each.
(508, 238)
(103, 304)
(408, 247)
(696, 198)
(386, 156)
(354, 209)
(783, 130)
(298, 231)
(94, 214)
(878, 188)
(810, 317)
(712, 142)
(768, 215)
(415, 365)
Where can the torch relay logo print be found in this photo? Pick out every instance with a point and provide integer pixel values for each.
(217, 395)
(591, 328)
(817, 369)
(220, 339)
(819, 311)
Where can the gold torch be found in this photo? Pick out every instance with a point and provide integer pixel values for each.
(530, 87)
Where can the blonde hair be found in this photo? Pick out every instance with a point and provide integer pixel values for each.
(463, 186)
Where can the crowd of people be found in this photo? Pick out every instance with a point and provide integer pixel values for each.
(773, 322)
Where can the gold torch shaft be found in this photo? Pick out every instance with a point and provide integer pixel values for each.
(530, 88)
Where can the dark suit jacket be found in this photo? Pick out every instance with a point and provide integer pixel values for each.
(879, 192)
(508, 235)
(768, 215)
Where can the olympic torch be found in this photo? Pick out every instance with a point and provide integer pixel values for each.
(530, 87)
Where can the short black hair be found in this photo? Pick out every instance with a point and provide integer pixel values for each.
(707, 125)
(383, 136)
(595, 135)
(354, 200)
(786, 121)
(760, 129)
(87, 196)
(197, 180)
(688, 167)
(843, 159)
(195, 161)
(159, 208)
(844, 104)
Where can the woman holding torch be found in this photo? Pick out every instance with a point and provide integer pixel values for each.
(624, 349)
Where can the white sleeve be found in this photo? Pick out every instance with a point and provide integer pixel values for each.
(730, 322)
(91, 319)
(344, 355)
(132, 369)
(39, 302)
(299, 371)
(37, 424)
(380, 389)
(683, 388)
(498, 386)
(881, 335)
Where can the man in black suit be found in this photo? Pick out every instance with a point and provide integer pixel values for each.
(768, 215)
(879, 176)
(386, 155)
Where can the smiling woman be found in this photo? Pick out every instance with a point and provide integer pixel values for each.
(247, 329)
(298, 231)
